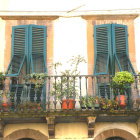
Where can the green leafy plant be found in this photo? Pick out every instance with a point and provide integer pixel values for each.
(91, 102)
(29, 107)
(66, 86)
(109, 104)
(36, 78)
(2, 77)
(115, 105)
(88, 102)
(84, 102)
(9, 96)
(122, 81)
(103, 104)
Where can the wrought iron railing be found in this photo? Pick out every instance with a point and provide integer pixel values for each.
(82, 92)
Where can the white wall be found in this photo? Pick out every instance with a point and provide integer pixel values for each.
(70, 39)
(137, 41)
(2, 44)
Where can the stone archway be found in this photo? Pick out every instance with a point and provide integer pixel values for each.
(115, 133)
(26, 133)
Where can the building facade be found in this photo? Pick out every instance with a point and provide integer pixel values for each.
(32, 43)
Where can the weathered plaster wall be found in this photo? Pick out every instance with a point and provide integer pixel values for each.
(71, 130)
(2, 44)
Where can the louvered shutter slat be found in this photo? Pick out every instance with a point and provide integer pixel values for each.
(38, 48)
(19, 44)
(101, 48)
(120, 47)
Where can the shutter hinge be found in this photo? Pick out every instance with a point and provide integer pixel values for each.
(93, 35)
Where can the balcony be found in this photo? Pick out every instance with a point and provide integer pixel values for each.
(82, 95)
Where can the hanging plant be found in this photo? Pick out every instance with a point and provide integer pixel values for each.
(36, 78)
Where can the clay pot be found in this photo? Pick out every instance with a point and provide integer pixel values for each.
(67, 106)
(122, 101)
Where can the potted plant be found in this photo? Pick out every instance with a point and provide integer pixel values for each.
(121, 82)
(2, 78)
(115, 105)
(7, 100)
(97, 104)
(91, 102)
(38, 79)
(64, 90)
(67, 94)
(83, 102)
(88, 102)
(109, 105)
(103, 103)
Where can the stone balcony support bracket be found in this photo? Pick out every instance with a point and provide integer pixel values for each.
(51, 127)
(91, 125)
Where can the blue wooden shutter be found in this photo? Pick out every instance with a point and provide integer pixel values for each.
(37, 52)
(102, 48)
(120, 47)
(18, 53)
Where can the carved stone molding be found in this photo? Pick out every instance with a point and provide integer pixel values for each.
(91, 125)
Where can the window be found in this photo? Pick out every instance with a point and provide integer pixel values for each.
(111, 49)
(28, 55)
(111, 54)
(28, 48)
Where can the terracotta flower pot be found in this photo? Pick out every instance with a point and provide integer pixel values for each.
(65, 105)
(4, 104)
(5, 107)
(122, 101)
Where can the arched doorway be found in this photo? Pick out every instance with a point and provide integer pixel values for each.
(115, 138)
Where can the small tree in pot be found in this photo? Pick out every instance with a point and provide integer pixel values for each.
(65, 88)
(121, 82)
